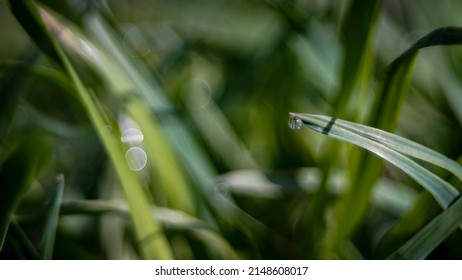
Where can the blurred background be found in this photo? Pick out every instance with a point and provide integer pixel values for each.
(228, 177)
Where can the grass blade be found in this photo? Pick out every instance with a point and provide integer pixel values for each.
(17, 173)
(383, 115)
(125, 80)
(394, 86)
(151, 240)
(443, 192)
(394, 142)
(170, 218)
(200, 169)
(52, 220)
(435, 232)
(355, 32)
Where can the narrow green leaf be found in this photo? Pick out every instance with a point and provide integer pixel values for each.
(443, 192)
(25, 248)
(383, 115)
(170, 218)
(52, 220)
(414, 219)
(199, 166)
(168, 171)
(355, 34)
(394, 142)
(152, 242)
(17, 173)
(25, 12)
(37, 71)
(140, 95)
(427, 239)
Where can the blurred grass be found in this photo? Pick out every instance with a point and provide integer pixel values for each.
(209, 85)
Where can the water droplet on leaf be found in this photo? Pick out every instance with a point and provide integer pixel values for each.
(295, 123)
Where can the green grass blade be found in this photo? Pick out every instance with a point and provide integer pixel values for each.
(17, 173)
(126, 80)
(42, 72)
(25, 248)
(152, 242)
(396, 143)
(170, 218)
(384, 113)
(435, 232)
(168, 171)
(200, 169)
(52, 220)
(146, 86)
(355, 34)
(414, 219)
(443, 192)
(356, 76)
(24, 12)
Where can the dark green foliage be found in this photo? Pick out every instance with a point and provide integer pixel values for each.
(209, 85)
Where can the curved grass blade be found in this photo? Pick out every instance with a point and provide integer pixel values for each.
(395, 142)
(196, 163)
(443, 192)
(152, 241)
(126, 80)
(17, 173)
(132, 78)
(52, 220)
(427, 239)
(394, 86)
(383, 115)
(168, 217)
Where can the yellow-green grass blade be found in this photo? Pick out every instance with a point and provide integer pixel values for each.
(151, 240)
(175, 131)
(199, 167)
(134, 89)
(170, 218)
(166, 167)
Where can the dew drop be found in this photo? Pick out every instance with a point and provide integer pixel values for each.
(295, 123)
